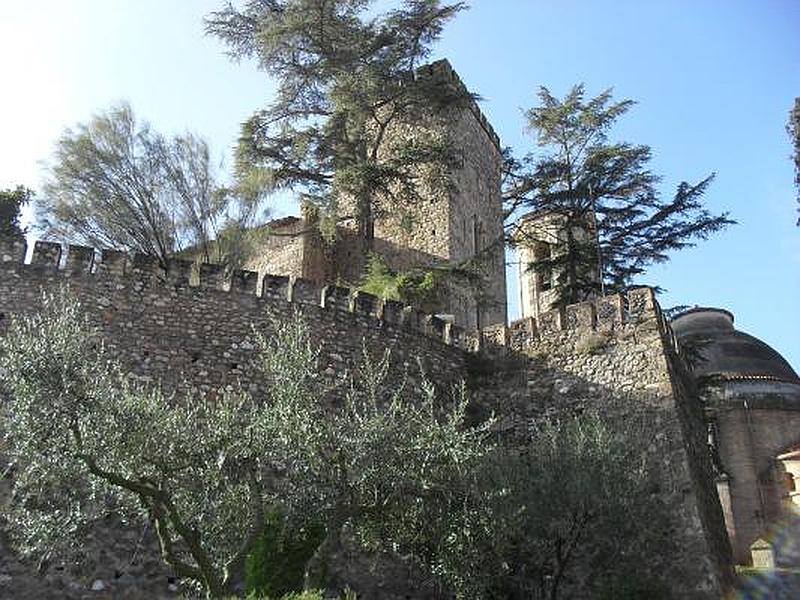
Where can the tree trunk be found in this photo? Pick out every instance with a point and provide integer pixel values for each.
(318, 568)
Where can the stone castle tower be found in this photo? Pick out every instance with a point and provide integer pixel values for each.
(541, 238)
(462, 226)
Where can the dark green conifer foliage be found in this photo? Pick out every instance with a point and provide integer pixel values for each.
(793, 129)
(604, 194)
(346, 81)
(11, 203)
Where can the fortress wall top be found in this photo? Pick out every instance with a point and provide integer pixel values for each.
(603, 315)
(167, 325)
(612, 353)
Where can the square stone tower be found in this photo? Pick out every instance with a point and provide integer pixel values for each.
(460, 227)
(542, 241)
(456, 229)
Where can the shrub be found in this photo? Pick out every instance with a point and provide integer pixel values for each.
(592, 343)
(277, 564)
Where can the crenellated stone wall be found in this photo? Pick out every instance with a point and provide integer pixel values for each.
(615, 354)
(197, 338)
(164, 329)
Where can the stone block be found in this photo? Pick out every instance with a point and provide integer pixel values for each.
(112, 262)
(179, 271)
(335, 297)
(641, 303)
(608, 311)
(80, 259)
(435, 327)
(305, 291)
(212, 277)
(46, 254)
(244, 281)
(496, 335)
(580, 316)
(550, 321)
(144, 265)
(521, 332)
(414, 319)
(366, 304)
(275, 287)
(393, 312)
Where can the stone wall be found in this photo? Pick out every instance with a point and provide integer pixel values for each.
(616, 355)
(476, 212)
(164, 330)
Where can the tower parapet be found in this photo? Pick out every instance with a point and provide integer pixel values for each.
(543, 240)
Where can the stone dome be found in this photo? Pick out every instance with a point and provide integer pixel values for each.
(726, 353)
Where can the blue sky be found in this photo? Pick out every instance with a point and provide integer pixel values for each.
(714, 81)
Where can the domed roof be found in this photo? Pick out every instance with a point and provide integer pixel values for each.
(726, 353)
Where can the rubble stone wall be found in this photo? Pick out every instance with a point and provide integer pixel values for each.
(616, 356)
(162, 329)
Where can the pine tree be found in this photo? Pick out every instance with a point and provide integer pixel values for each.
(793, 129)
(348, 81)
(603, 196)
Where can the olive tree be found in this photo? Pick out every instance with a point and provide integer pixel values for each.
(392, 465)
(562, 513)
(85, 440)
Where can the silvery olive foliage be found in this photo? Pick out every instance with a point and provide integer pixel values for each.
(392, 463)
(85, 439)
(384, 459)
(564, 513)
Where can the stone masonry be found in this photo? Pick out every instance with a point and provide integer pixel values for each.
(617, 355)
(451, 227)
(614, 353)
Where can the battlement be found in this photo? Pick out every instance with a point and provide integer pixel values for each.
(87, 264)
(442, 68)
(604, 314)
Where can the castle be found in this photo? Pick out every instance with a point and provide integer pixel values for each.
(726, 407)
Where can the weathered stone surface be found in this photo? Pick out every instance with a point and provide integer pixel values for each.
(184, 336)
(625, 368)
